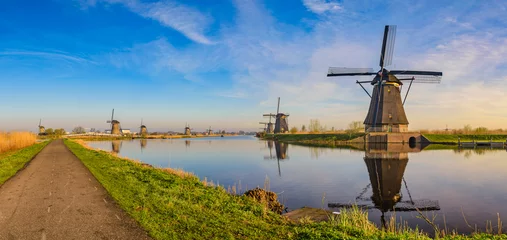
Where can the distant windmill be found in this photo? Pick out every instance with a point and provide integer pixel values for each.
(386, 112)
(42, 129)
(142, 129)
(187, 130)
(115, 125)
(281, 123)
(265, 128)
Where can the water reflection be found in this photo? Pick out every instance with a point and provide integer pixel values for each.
(280, 150)
(386, 165)
(143, 143)
(116, 146)
(187, 143)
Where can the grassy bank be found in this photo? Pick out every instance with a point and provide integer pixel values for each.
(331, 140)
(12, 162)
(453, 138)
(172, 204)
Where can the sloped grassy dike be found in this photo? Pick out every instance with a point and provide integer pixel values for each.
(171, 205)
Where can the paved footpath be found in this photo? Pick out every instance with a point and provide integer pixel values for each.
(56, 197)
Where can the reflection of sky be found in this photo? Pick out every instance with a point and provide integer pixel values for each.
(475, 183)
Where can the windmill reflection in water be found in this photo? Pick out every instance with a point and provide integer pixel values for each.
(280, 150)
(386, 165)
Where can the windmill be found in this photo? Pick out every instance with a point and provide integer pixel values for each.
(386, 166)
(115, 125)
(187, 130)
(142, 129)
(42, 129)
(386, 112)
(209, 131)
(281, 122)
(265, 128)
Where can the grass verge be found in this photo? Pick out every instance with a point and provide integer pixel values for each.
(12, 162)
(453, 138)
(170, 205)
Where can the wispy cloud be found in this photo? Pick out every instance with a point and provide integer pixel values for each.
(48, 55)
(187, 20)
(322, 6)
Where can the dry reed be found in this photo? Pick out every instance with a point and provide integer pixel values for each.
(10, 141)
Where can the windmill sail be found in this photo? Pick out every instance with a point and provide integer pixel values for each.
(343, 71)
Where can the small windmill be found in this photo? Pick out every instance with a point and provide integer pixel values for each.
(265, 126)
(142, 129)
(386, 112)
(188, 130)
(281, 122)
(115, 125)
(42, 129)
(209, 131)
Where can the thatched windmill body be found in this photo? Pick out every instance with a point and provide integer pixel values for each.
(281, 122)
(142, 129)
(42, 129)
(386, 112)
(115, 125)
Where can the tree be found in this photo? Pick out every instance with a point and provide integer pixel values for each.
(303, 128)
(50, 131)
(223, 131)
(355, 127)
(315, 125)
(477, 130)
(92, 130)
(467, 128)
(60, 131)
(294, 130)
(78, 130)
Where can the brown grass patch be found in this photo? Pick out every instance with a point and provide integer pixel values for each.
(10, 141)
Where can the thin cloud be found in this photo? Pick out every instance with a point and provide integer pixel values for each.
(50, 55)
(186, 20)
(322, 6)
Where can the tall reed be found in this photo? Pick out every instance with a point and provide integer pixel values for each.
(16, 140)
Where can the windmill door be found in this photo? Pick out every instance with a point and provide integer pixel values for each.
(389, 128)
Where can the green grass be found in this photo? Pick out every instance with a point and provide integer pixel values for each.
(453, 138)
(173, 206)
(12, 162)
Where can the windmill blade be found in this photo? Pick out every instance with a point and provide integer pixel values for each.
(418, 76)
(386, 55)
(343, 71)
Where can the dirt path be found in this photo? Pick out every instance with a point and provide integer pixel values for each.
(56, 197)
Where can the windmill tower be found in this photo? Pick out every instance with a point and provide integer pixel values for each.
(143, 131)
(42, 129)
(187, 130)
(281, 122)
(386, 112)
(209, 131)
(115, 125)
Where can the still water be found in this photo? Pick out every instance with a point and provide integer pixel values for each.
(449, 183)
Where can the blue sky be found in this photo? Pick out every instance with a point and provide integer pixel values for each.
(224, 63)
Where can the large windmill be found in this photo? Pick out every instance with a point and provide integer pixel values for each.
(42, 129)
(115, 125)
(281, 122)
(142, 129)
(386, 112)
